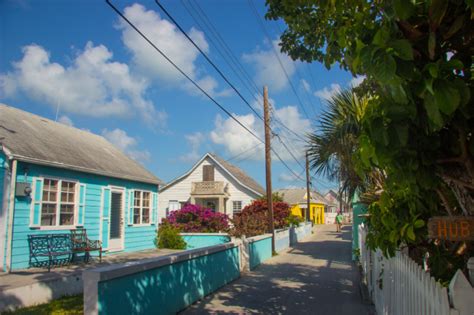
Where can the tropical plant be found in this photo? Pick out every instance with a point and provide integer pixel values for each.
(254, 220)
(418, 123)
(196, 219)
(294, 220)
(168, 237)
(332, 147)
(276, 197)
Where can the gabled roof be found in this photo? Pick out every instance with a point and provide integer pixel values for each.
(298, 195)
(238, 174)
(35, 139)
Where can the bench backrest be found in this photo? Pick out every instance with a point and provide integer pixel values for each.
(41, 244)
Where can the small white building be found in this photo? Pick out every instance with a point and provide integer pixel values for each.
(212, 183)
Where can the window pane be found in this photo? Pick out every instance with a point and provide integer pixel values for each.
(236, 206)
(136, 215)
(66, 216)
(146, 199)
(48, 214)
(68, 190)
(137, 198)
(50, 187)
(146, 215)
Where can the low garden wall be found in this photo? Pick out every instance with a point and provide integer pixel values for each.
(299, 233)
(199, 240)
(259, 249)
(168, 283)
(282, 240)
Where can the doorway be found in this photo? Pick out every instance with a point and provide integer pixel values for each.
(116, 229)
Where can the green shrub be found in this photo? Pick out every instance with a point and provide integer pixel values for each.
(168, 237)
(294, 220)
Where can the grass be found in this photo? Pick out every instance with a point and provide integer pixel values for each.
(70, 305)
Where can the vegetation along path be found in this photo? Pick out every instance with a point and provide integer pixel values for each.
(315, 277)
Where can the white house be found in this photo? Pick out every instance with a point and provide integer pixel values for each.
(213, 183)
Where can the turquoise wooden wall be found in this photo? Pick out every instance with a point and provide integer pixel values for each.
(136, 237)
(260, 251)
(170, 288)
(198, 241)
(358, 208)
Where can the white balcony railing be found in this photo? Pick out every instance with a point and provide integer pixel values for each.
(208, 188)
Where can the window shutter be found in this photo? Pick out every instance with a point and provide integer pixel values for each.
(131, 193)
(154, 208)
(36, 201)
(81, 205)
(105, 216)
(208, 173)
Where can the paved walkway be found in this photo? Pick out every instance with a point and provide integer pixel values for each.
(315, 277)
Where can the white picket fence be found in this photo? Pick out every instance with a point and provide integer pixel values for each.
(400, 286)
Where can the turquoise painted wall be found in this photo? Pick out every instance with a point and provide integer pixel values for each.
(198, 241)
(260, 251)
(171, 288)
(282, 240)
(136, 237)
(357, 209)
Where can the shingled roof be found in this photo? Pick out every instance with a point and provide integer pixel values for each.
(241, 177)
(239, 174)
(297, 195)
(31, 138)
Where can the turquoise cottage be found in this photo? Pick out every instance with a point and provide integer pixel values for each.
(54, 178)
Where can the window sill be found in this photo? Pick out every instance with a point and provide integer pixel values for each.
(141, 225)
(54, 228)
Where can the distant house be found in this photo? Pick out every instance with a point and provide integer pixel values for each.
(334, 206)
(213, 183)
(298, 200)
(54, 178)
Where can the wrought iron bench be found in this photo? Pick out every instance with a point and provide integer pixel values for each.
(55, 247)
(82, 244)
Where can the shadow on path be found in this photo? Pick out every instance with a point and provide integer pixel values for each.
(314, 277)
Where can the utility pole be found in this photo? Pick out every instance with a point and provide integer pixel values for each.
(268, 163)
(308, 192)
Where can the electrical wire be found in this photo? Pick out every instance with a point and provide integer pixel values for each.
(193, 82)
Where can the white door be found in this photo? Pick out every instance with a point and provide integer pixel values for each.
(116, 228)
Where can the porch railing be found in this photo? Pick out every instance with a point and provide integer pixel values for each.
(208, 188)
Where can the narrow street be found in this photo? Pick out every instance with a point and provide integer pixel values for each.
(315, 277)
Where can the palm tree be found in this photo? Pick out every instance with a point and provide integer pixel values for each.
(332, 147)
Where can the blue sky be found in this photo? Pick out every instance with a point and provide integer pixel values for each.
(79, 56)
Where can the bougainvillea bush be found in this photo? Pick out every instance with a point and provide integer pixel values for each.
(196, 219)
(253, 220)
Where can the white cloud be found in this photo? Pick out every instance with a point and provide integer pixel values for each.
(327, 92)
(66, 121)
(356, 81)
(305, 85)
(236, 140)
(268, 69)
(93, 85)
(194, 141)
(172, 43)
(126, 144)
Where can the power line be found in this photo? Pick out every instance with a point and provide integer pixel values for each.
(231, 56)
(262, 26)
(215, 67)
(192, 81)
(243, 152)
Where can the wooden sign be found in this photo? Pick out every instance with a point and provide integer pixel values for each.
(451, 228)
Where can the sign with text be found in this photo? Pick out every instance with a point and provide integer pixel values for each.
(451, 228)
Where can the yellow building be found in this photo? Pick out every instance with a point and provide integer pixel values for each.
(297, 199)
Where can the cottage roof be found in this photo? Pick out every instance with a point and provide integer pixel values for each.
(35, 139)
(298, 195)
(234, 171)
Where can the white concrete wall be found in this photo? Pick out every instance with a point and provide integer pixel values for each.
(181, 190)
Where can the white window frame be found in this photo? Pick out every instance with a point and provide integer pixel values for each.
(233, 206)
(140, 207)
(58, 202)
